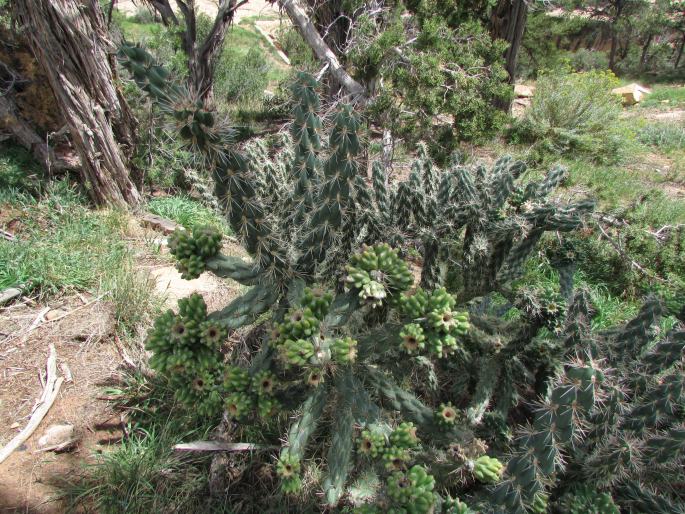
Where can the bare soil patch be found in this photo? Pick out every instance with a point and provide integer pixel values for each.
(85, 350)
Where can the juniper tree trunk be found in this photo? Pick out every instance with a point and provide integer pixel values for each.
(680, 51)
(645, 49)
(69, 40)
(508, 22)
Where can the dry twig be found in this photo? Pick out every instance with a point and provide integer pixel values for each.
(50, 392)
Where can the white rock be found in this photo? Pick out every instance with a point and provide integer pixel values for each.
(56, 435)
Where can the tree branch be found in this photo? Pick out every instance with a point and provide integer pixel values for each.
(300, 19)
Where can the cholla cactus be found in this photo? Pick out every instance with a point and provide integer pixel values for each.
(351, 366)
(614, 425)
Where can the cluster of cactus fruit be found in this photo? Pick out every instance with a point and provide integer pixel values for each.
(347, 365)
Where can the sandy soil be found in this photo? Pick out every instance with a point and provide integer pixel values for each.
(252, 8)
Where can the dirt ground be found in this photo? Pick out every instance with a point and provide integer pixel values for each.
(82, 329)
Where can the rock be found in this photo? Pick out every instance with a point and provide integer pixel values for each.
(523, 91)
(160, 224)
(15, 425)
(9, 294)
(632, 93)
(54, 313)
(519, 106)
(57, 437)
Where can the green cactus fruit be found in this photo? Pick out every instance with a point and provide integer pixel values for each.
(357, 277)
(238, 405)
(488, 469)
(196, 388)
(442, 320)
(379, 272)
(264, 383)
(318, 301)
(366, 509)
(587, 499)
(404, 436)
(412, 489)
(371, 443)
(413, 339)
(236, 379)
(267, 407)
(395, 458)
(297, 352)
(414, 306)
(287, 466)
(373, 293)
(193, 308)
(291, 485)
(440, 299)
(300, 323)
(434, 343)
(192, 249)
(455, 506)
(447, 415)
(539, 505)
(212, 334)
(344, 350)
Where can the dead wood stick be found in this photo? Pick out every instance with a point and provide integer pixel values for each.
(220, 446)
(50, 392)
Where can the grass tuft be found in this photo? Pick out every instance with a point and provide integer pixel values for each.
(186, 212)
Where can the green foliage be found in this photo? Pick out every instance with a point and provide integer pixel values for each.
(241, 78)
(666, 137)
(573, 112)
(664, 97)
(144, 474)
(431, 424)
(187, 212)
(18, 171)
(438, 79)
(296, 48)
(548, 40)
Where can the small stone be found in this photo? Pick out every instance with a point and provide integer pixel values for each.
(15, 425)
(523, 91)
(54, 313)
(159, 224)
(58, 436)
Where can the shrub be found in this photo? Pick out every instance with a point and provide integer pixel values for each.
(297, 50)
(668, 137)
(589, 60)
(241, 77)
(574, 112)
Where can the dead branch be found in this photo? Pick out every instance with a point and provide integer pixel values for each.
(53, 383)
(301, 20)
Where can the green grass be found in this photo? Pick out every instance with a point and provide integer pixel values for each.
(664, 136)
(665, 97)
(63, 246)
(19, 173)
(142, 475)
(186, 212)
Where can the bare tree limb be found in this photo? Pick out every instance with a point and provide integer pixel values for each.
(306, 28)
